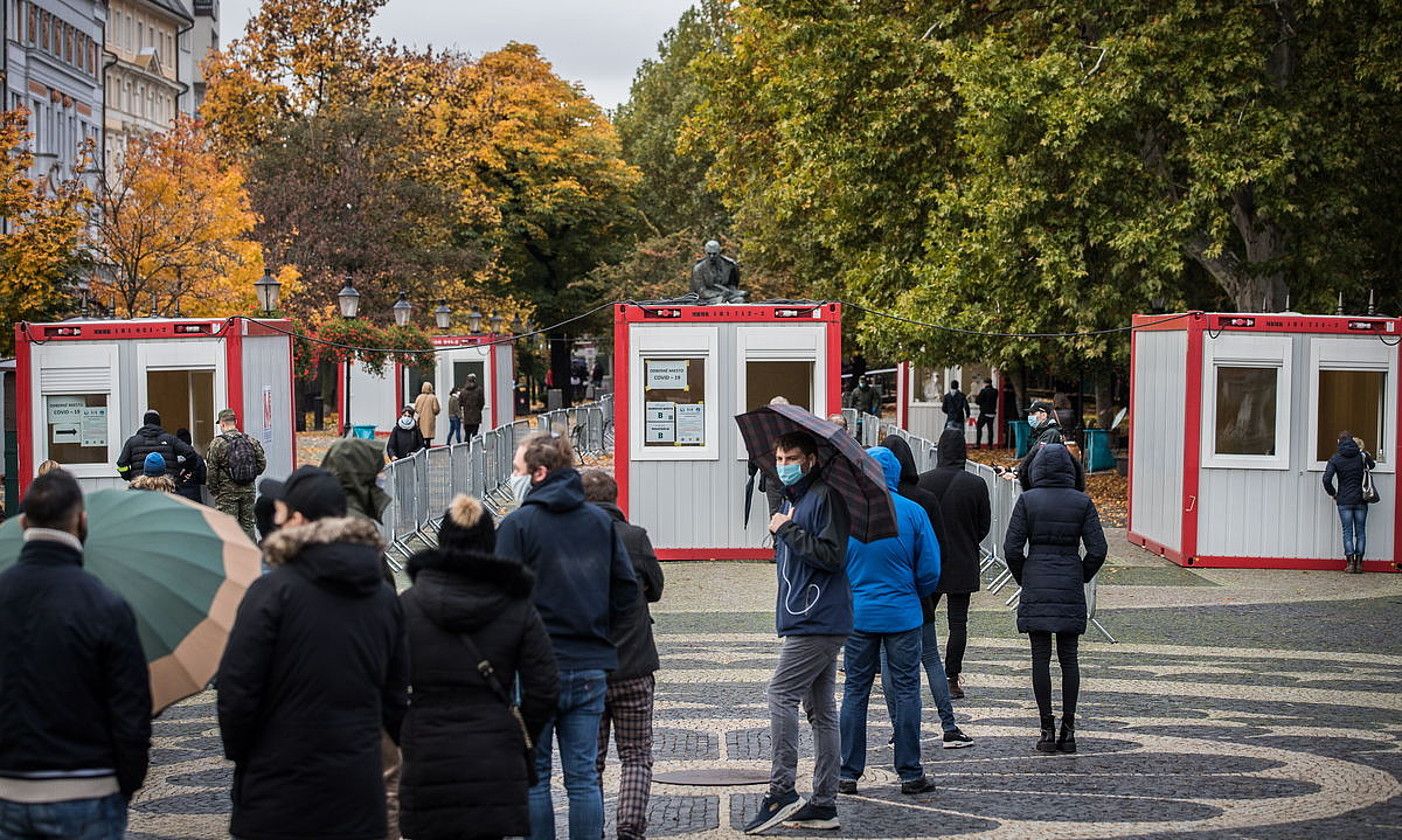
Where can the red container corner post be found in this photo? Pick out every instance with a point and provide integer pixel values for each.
(1232, 420)
(681, 375)
(82, 387)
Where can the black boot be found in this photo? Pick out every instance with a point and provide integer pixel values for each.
(1047, 743)
(1067, 742)
(1357, 564)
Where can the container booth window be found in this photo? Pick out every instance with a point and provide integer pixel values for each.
(781, 361)
(1354, 382)
(1246, 416)
(675, 399)
(80, 424)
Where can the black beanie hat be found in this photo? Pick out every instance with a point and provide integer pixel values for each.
(467, 526)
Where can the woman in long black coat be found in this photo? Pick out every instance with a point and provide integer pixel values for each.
(1051, 522)
(465, 772)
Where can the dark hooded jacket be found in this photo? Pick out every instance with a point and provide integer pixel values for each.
(585, 587)
(464, 761)
(190, 478)
(1049, 524)
(314, 669)
(1348, 465)
(1049, 435)
(472, 401)
(150, 439)
(356, 463)
(963, 499)
(637, 650)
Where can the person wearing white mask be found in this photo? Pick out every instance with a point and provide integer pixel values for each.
(406, 439)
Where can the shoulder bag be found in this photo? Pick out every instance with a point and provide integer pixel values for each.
(1370, 490)
(489, 676)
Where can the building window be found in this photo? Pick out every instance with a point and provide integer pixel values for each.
(1246, 411)
(76, 428)
(674, 399)
(1353, 401)
(766, 380)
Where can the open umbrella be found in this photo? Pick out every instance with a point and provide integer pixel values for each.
(182, 567)
(845, 466)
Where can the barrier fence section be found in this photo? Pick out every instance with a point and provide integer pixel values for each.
(422, 486)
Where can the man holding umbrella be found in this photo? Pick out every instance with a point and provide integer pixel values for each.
(813, 616)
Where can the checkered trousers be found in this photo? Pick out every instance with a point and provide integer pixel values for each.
(628, 709)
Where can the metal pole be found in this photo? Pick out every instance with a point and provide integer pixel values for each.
(345, 415)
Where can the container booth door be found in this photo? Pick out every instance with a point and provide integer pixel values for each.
(76, 411)
(186, 382)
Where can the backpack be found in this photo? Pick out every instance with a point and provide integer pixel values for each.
(242, 459)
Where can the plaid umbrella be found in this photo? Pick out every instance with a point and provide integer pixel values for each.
(845, 466)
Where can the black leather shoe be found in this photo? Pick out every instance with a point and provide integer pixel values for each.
(1047, 743)
(917, 786)
(956, 691)
(1067, 742)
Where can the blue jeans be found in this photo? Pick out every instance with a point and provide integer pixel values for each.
(1354, 519)
(76, 819)
(901, 680)
(576, 724)
(934, 672)
(454, 429)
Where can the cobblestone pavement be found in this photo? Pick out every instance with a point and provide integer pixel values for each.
(1262, 721)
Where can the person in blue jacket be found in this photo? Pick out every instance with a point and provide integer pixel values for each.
(888, 578)
(812, 615)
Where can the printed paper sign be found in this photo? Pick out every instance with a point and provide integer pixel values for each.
(659, 432)
(658, 412)
(66, 433)
(691, 425)
(94, 426)
(667, 375)
(267, 431)
(66, 410)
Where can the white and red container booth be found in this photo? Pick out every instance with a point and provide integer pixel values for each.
(82, 387)
(1232, 418)
(681, 374)
(377, 398)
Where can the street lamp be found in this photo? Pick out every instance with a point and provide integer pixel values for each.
(443, 316)
(496, 323)
(474, 321)
(402, 310)
(269, 291)
(349, 301)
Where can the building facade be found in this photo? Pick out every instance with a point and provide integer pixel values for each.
(53, 67)
(147, 47)
(204, 39)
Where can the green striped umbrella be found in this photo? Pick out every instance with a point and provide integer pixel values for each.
(182, 567)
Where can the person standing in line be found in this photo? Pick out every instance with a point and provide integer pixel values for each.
(1348, 465)
(428, 409)
(193, 474)
(315, 667)
(812, 616)
(888, 578)
(585, 589)
(987, 400)
(967, 515)
(235, 460)
(865, 397)
(454, 417)
(405, 438)
(75, 735)
(955, 406)
(472, 632)
(1049, 524)
(1041, 417)
(154, 476)
(472, 400)
(632, 687)
(909, 487)
(151, 438)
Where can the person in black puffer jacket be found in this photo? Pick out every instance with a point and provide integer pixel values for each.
(152, 438)
(465, 764)
(1050, 522)
(405, 439)
(965, 507)
(192, 475)
(1348, 465)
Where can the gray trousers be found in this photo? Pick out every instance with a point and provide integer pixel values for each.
(807, 673)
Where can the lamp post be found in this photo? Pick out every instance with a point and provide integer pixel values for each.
(349, 301)
(402, 310)
(443, 316)
(474, 322)
(269, 291)
(496, 323)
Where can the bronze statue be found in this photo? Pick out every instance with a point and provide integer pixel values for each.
(716, 278)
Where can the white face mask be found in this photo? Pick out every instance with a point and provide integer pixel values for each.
(520, 485)
(406, 423)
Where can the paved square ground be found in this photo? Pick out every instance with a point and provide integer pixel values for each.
(1236, 705)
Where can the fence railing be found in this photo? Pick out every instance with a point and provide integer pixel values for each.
(422, 486)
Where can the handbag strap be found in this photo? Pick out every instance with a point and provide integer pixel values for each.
(484, 666)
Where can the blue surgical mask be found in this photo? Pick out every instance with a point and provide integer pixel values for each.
(520, 485)
(789, 473)
(1034, 421)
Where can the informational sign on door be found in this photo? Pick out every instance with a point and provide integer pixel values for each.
(666, 374)
(691, 425)
(266, 433)
(94, 426)
(661, 422)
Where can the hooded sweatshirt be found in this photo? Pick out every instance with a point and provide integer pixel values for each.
(356, 463)
(1348, 464)
(585, 586)
(964, 504)
(889, 576)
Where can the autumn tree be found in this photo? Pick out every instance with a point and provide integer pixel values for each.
(171, 229)
(40, 233)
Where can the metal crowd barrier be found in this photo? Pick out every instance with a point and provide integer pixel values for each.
(422, 486)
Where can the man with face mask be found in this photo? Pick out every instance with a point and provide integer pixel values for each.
(1041, 416)
(406, 439)
(76, 731)
(813, 616)
(865, 398)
